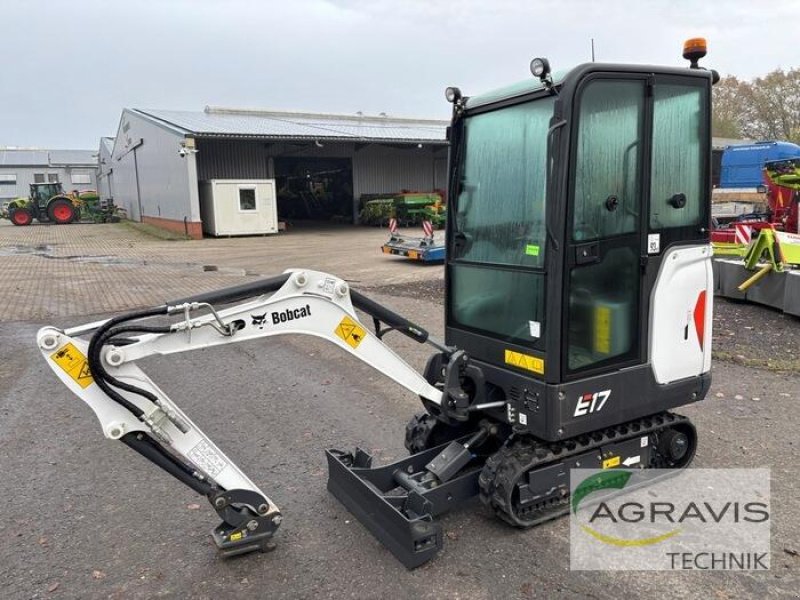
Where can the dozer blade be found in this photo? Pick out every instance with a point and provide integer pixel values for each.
(394, 503)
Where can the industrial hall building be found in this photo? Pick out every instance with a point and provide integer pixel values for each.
(20, 167)
(223, 171)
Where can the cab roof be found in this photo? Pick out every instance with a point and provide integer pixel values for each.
(520, 88)
(533, 84)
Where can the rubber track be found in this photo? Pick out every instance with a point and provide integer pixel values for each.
(522, 454)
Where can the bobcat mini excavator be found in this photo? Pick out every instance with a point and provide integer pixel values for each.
(578, 314)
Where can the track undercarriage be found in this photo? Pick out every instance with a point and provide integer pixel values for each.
(522, 480)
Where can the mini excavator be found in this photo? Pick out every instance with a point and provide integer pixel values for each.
(578, 311)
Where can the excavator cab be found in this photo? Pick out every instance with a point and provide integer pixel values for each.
(578, 287)
(577, 244)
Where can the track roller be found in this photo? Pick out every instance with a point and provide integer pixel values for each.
(527, 481)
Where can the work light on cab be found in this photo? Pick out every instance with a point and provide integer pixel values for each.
(452, 94)
(540, 67)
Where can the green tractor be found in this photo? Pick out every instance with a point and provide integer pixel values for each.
(48, 203)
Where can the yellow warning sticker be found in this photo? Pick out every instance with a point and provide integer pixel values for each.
(236, 536)
(351, 332)
(611, 462)
(602, 330)
(74, 364)
(525, 361)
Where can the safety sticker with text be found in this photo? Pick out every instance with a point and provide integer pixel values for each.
(74, 364)
(351, 332)
(524, 361)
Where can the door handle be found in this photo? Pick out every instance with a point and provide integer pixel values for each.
(461, 243)
(587, 253)
(678, 200)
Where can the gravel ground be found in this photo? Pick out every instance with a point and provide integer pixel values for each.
(746, 334)
(755, 335)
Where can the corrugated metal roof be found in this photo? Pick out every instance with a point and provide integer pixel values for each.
(44, 158)
(23, 158)
(86, 158)
(287, 125)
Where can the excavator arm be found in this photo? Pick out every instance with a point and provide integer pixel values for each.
(97, 362)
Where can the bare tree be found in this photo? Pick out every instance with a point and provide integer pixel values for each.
(771, 106)
(728, 98)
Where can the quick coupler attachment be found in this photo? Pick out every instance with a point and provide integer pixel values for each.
(248, 522)
(398, 502)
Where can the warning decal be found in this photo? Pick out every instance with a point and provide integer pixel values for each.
(525, 361)
(351, 332)
(602, 330)
(74, 364)
(207, 458)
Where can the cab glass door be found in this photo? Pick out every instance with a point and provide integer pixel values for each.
(602, 325)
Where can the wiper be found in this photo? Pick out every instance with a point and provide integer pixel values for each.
(454, 176)
(551, 184)
(461, 240)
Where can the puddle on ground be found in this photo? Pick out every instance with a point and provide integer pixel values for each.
(46, 251)
(21, 249)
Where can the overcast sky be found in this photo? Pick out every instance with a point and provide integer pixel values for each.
(70, 66)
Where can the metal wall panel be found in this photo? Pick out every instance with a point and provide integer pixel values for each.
(383, 169)
(25, 178)
(164, 186)
(246, 159)
(377, 168)
(105, 172)
(168, 190)
(231, 159)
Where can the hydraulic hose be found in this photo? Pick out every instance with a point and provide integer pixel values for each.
(96, 367)
(155, 453)
(113, 380)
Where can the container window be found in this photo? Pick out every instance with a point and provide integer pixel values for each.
(8, 178)
(247, 199)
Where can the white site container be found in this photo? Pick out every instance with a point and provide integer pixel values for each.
(238, 206)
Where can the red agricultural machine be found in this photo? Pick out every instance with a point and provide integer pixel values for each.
(757, 244)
